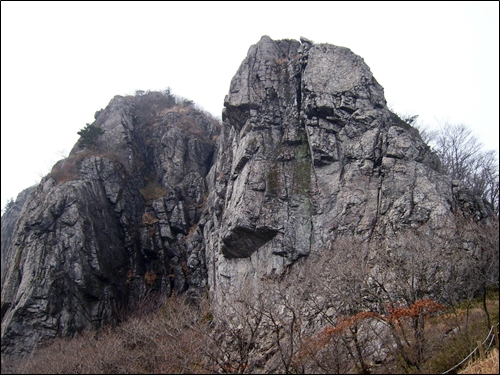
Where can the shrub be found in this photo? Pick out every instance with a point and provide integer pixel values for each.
(168, 340)
(89, 135)
(153, 190)
(68, 169)
(150, 277)
(64, 170)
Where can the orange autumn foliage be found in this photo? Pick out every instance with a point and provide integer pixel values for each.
(423, 307)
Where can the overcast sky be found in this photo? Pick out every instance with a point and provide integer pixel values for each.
(61, 62)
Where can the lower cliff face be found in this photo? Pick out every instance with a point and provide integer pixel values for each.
(308, 152)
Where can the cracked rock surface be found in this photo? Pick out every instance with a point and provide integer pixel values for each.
(309, 152)
(108, 225)
(168, 200)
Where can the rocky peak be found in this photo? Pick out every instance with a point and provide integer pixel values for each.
(110, 224)
(168, 200)
(309, 152)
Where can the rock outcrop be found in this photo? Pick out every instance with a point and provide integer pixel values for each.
(109, 224)
(308, 152)
(9, 221)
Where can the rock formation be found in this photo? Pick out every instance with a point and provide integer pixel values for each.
(110, 223)
(9, 221)
(308, 152)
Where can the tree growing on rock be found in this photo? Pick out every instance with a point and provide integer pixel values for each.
(89, 135)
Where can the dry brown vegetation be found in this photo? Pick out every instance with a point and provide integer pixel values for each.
(281, 61)
(340, 318)
(182, 337)
(150, 108)
(68, 169)
(168, 340)
(489, 365)
(151, 191)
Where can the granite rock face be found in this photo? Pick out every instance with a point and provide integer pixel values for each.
(168, 200)
(9, 221)
(109, 224)
(309, 152)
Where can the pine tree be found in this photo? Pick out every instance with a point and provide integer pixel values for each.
(89, 135)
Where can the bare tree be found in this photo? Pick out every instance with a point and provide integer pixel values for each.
(479, 244)
(356, 306)
(236, 330)
(375, 297)
(463, 157)
(342, 306)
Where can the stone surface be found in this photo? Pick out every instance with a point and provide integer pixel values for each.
(167, 200)
(310, 152)
(9, 220)
(109, 224)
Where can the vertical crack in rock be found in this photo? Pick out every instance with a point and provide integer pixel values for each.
(412, 186)
(269, 193)
(298, 93)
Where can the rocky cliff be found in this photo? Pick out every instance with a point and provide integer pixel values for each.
(110, 223)
(167, 199)
(309, 152)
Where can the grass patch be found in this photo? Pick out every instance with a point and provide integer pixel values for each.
(486, 366)
(459, 341)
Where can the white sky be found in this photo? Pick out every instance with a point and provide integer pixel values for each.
(61, 62)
